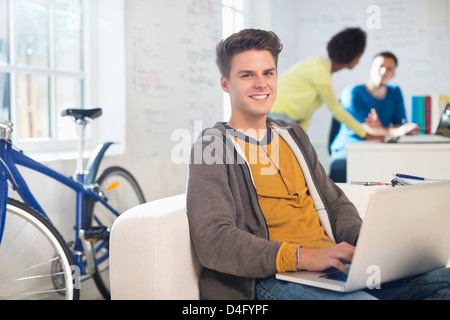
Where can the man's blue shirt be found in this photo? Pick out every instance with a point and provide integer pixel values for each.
(358, 102)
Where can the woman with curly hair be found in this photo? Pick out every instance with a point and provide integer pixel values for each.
(304, 87)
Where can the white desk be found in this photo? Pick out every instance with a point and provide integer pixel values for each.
(378, 162)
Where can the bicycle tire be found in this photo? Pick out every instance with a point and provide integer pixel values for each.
(123, 192)
(35, 261)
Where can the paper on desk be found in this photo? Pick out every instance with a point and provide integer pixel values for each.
(406, 182)
(419, 138)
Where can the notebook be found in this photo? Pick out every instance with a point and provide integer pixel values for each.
(405, 232)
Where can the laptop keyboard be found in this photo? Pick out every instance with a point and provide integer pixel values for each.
(335, 275)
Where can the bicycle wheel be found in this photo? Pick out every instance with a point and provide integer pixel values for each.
(123, 192)
(35, 261)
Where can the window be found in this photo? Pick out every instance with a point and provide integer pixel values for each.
(42, 66)
(233, 14)
(57, 54)
(233, 20)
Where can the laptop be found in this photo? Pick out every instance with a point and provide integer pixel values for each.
(444, 123)
(405, 232)
(441, 135)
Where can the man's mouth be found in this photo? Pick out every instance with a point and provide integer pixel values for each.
(260, 97)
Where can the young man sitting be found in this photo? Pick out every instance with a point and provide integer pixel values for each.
(258, 200)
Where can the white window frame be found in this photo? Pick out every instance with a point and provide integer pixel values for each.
(101, 18)
(238, 11)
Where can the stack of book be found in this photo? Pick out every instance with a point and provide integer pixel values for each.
(407, 179)
(427, 110)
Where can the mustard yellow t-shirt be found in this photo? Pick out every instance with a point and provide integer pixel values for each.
(303, 89)
(283, 197)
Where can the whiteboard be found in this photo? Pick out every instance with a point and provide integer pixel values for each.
(173, 81)
(417, 31)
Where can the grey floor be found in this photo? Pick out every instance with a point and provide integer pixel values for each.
(89, 291)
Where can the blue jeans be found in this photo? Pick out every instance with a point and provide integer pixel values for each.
(431, 285)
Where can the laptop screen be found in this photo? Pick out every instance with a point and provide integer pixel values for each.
(444, 124)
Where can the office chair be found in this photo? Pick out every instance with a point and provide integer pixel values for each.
(334, 129)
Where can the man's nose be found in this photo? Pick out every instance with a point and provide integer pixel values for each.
(260, 82)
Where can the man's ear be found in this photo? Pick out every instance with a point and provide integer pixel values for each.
(224, 84)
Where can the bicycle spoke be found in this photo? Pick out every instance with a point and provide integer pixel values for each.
(34, 293)
(20, 263)
(35, 262)
(35, 277)
(18, 257)
(30, 269)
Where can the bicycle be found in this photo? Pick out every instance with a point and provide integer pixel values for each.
(35, 261)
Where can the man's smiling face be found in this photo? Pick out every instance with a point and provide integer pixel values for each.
(382, 70)
(252, 84)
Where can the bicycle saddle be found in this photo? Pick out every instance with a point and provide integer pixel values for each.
(81, 114)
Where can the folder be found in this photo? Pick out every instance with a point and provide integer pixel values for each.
(427, 111)
(427, 106)
(418, 112)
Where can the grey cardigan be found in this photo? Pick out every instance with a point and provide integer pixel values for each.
(228, 229)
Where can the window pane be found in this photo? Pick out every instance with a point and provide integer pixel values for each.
(68, 40)
(227, 3)
(238, 21)
(5, 97)
(4, 54)
(68, 95)
(239, 5)
(32, 34)
(70, 2)
(33, 106)
(227, 22)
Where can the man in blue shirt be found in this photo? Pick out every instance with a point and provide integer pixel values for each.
(375, 104)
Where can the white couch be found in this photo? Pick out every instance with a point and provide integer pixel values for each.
(151, 256)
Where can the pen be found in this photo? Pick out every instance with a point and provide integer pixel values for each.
(406, 176)
(368, 183)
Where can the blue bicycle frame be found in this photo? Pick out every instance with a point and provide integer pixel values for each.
(9, 158)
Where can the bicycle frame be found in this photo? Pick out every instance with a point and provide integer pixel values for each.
(9, 158)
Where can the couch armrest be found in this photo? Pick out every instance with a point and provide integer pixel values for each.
(151, 256)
